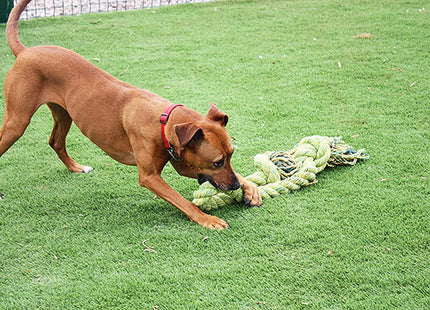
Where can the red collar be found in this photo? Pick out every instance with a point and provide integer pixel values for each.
(163, 120)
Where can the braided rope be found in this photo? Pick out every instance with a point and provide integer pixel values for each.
(284, 171)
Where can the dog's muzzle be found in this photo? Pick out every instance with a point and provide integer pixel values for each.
(201, 178)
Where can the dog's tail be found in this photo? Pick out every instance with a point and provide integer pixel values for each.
(12, 28)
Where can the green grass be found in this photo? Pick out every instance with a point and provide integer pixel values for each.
(358, 239)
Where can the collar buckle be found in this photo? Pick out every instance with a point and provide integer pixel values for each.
(164, 118)
(171, 152)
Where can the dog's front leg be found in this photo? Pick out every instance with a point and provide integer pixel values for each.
(159, 187)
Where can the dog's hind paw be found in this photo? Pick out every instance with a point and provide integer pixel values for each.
(86, 169)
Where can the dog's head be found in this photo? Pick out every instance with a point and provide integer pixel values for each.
(206, 148)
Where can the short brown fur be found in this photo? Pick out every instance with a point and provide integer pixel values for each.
(121, 119)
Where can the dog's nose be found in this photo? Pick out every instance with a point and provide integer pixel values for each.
(202, 178)
(235, 184)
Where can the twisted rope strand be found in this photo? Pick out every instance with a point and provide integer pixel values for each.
(284, 171)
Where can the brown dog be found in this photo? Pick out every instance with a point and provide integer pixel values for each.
(132, 125)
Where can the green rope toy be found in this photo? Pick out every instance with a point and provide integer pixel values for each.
(283, 171)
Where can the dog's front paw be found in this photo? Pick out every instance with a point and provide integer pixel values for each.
(251, 194)
(212, 222)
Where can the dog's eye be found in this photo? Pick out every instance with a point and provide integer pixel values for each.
(219, 164)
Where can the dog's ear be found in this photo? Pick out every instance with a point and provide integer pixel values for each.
(216, 115)
(188, 133)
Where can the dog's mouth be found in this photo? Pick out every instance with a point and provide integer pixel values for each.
(201, 178)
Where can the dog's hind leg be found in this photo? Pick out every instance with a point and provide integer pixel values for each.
(21, 101)
(11, 130)
(62, 123)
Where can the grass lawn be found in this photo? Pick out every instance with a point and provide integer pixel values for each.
(282, 70)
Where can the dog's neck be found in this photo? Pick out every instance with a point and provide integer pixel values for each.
(179, 115)
(163, 120)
